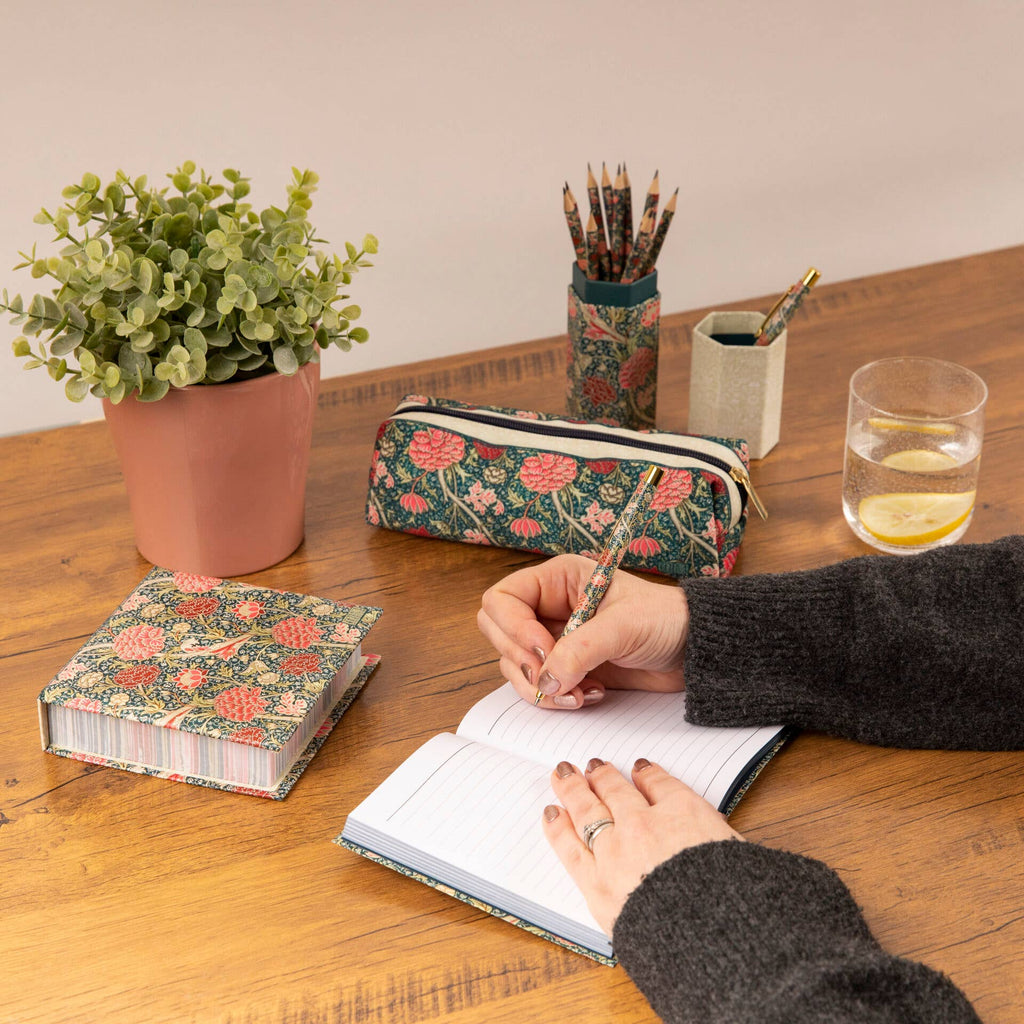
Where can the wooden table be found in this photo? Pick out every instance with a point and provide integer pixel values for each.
(126, 898)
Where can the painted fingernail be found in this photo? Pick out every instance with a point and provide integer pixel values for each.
(550, 812)
(594, 762)
(527, 672)
(548, 683)
(563, 769)
(539, 651)
(640, 764)
(565, 700)
(593, 695)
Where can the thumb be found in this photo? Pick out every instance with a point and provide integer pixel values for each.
(578, 653)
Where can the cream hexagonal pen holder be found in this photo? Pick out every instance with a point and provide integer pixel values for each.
(735, 385)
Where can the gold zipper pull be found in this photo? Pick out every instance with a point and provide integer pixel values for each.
(741, 477)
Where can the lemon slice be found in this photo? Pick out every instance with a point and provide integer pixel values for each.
(919, 460)
(915, 427)
(914, 518)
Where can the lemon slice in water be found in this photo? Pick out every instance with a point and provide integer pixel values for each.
(914, 518)
(919, 460)
(914, 426)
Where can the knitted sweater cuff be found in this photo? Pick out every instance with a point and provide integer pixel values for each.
(731, 931)
(873, 649)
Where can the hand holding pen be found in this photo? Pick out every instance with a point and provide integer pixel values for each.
(635, 640)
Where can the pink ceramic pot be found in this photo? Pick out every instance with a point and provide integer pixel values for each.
(216, 473)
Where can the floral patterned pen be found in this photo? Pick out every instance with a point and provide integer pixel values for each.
(780, 314)
(618, 540)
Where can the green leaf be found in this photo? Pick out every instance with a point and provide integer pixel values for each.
(66, 343)
(76, 388)
(285, 361)
(352, 251)
(370, 244)
(90, 183)
(359, 334)
(351, 312)
(219, 368)
(153, 390)
(179, 260)
(194, 340)
(21, 347)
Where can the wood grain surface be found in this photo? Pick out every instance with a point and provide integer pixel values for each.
(126, 898)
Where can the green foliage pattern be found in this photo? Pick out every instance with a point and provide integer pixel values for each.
(156, 290)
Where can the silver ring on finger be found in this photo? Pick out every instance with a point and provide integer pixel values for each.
(593, 830)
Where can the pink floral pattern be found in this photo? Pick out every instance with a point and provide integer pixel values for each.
(300, 664)
(191, 678)
(137, 643)
(547, 472)
(137, 675)
(193, 607)
(240, 703)
(531, 498)
(612, 362)
(190, 583)
(298, 631)
(246, 610)
(213, 658)
(435, 449)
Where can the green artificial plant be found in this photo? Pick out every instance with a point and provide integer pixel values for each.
(155, 290)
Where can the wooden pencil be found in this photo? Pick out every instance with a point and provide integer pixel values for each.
(594, 194)
(659, 236)
(572, 218)
(618, 229)
(603, 259)
(651, 199)
(593, 258)
(606, 194)
(627, 216)
(641, 248)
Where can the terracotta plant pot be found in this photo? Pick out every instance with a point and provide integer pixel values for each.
(216, 474)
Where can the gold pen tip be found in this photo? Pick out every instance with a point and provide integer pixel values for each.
(810, 278)
(653, 476)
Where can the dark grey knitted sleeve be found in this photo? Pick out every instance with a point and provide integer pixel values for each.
(735, 933)
(919, 651)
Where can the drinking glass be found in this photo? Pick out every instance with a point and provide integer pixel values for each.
(913, 448)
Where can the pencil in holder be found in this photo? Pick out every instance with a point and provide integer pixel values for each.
(735, 385)
(612, 357)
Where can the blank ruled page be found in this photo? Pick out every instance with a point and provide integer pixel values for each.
(626, 725)
(476, 809)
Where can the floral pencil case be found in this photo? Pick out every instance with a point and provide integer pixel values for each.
(541, 483)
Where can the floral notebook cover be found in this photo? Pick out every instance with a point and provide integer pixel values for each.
(218, 658)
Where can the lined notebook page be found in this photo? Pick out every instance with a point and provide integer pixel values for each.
(626, 725)
(476, 809)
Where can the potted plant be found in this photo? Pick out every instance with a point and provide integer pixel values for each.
(199, 322)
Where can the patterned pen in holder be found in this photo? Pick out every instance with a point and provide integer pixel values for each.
(612, 356)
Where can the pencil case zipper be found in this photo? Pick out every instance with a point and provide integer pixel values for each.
(733, 474)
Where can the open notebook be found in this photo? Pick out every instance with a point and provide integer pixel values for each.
(463, 813)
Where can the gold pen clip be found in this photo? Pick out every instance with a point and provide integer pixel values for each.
(807, 281)
(741, 477)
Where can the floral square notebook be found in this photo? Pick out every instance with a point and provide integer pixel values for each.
(210, 681)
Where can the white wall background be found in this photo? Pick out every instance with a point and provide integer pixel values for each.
(860, 137)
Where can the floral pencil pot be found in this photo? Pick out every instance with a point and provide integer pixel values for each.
(612, 358)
